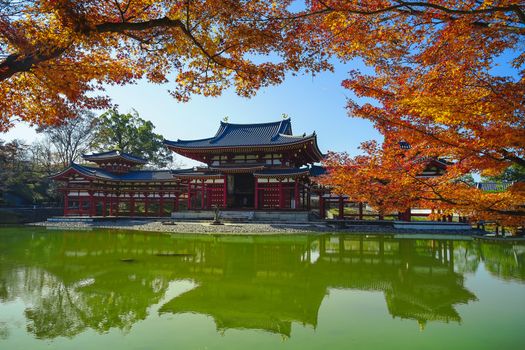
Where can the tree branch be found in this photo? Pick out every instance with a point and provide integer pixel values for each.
(17, 63)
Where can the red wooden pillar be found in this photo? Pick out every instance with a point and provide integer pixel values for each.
(91, 210)
(146, 204)
(225, 192)
(176, 203)
(116, 204)
(111, 205)
(296, 194)
(104, 204)
(256, 201)
(308, 199)
(161, 204)
(132, 204)
(66, 202)
(360, 210)
(302, 193)
(341, 208)
(322, 210)
(189, 194)
(203, 191)
(281, 199)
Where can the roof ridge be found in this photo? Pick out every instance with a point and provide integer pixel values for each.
(115, 153)
(256, 124)
(283, 126)
(146, 170)
(303, 136)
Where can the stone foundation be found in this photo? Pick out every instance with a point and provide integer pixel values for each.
(431, 225)
(242, 215)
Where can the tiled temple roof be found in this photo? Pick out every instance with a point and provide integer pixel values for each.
(494, 186)
(139, 175)
(317, 170)
(93, 172)
(232, 135)
(110, 155)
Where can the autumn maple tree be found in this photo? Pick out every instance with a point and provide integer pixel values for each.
(57, 55)
(436, 86)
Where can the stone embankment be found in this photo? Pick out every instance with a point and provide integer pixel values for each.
(230, 228)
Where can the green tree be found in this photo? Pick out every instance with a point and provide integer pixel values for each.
(130, 134)
(22, 178)
(513, 173)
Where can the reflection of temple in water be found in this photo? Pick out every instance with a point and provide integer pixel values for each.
(265, 285)
(417, 277)
(243, 282)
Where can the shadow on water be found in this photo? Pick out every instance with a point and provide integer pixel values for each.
(100, 280)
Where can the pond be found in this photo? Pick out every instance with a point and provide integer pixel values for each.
(131, 290)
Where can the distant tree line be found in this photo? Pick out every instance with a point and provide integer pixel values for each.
(25, 168)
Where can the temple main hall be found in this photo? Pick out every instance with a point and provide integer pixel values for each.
(246, 167)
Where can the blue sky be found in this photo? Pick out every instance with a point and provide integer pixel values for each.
(314, 104)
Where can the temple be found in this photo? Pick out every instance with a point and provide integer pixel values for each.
(256, 167)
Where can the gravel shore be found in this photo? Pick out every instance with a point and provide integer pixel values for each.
(235, 228)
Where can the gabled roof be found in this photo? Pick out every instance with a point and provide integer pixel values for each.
(101, 174)
(232, 135)
(317, 170)
(113, 155)
(87, 171)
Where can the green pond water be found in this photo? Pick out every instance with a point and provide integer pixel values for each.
(132, 290)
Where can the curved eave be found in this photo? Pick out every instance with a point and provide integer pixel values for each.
(145, 180)
(283, 175)
(72, 169)
(189, 150)
(235, 170)
(207, 149)
(66, 171)
(198, 176)
(316, 151)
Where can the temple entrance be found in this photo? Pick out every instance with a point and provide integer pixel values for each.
(241, 191)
